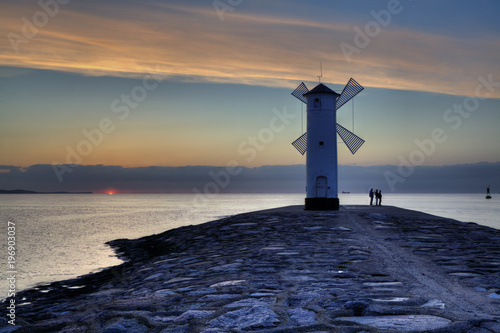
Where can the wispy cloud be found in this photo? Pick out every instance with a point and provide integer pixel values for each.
(192, 43)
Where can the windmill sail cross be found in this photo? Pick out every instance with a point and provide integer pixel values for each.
(351, 140)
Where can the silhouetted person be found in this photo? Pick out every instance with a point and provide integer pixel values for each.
(376, 197)
(380, 197)
(371, 197)
(488, 190)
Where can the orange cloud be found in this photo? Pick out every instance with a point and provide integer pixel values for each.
(194, 44)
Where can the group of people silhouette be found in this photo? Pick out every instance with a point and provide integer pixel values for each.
(378, 197)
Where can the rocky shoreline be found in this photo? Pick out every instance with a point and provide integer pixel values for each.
(359, 269)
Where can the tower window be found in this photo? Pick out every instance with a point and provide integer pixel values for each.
(317, 103)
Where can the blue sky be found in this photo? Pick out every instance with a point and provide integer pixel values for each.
(209, 83)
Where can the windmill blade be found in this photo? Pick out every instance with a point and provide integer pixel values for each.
(351, 140)
(301, 143)
(299, 93)
(351, 89)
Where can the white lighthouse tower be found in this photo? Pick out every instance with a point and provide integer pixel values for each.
(321, 158)
(320, 142)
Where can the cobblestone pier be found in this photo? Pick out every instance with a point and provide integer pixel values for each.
(359, 269)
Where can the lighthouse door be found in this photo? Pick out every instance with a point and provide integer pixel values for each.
(321, 187)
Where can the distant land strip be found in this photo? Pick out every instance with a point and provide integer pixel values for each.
(18, 191)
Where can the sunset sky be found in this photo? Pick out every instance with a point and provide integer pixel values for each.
(173, 83)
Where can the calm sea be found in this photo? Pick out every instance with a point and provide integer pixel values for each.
(62, 236)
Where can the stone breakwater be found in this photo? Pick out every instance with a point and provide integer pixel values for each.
(360, 269)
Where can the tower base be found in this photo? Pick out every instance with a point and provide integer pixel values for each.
(322, 204)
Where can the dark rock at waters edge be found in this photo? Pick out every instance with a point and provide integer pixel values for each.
(359, 269)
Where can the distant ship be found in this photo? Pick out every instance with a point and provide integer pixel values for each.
(345, 192)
